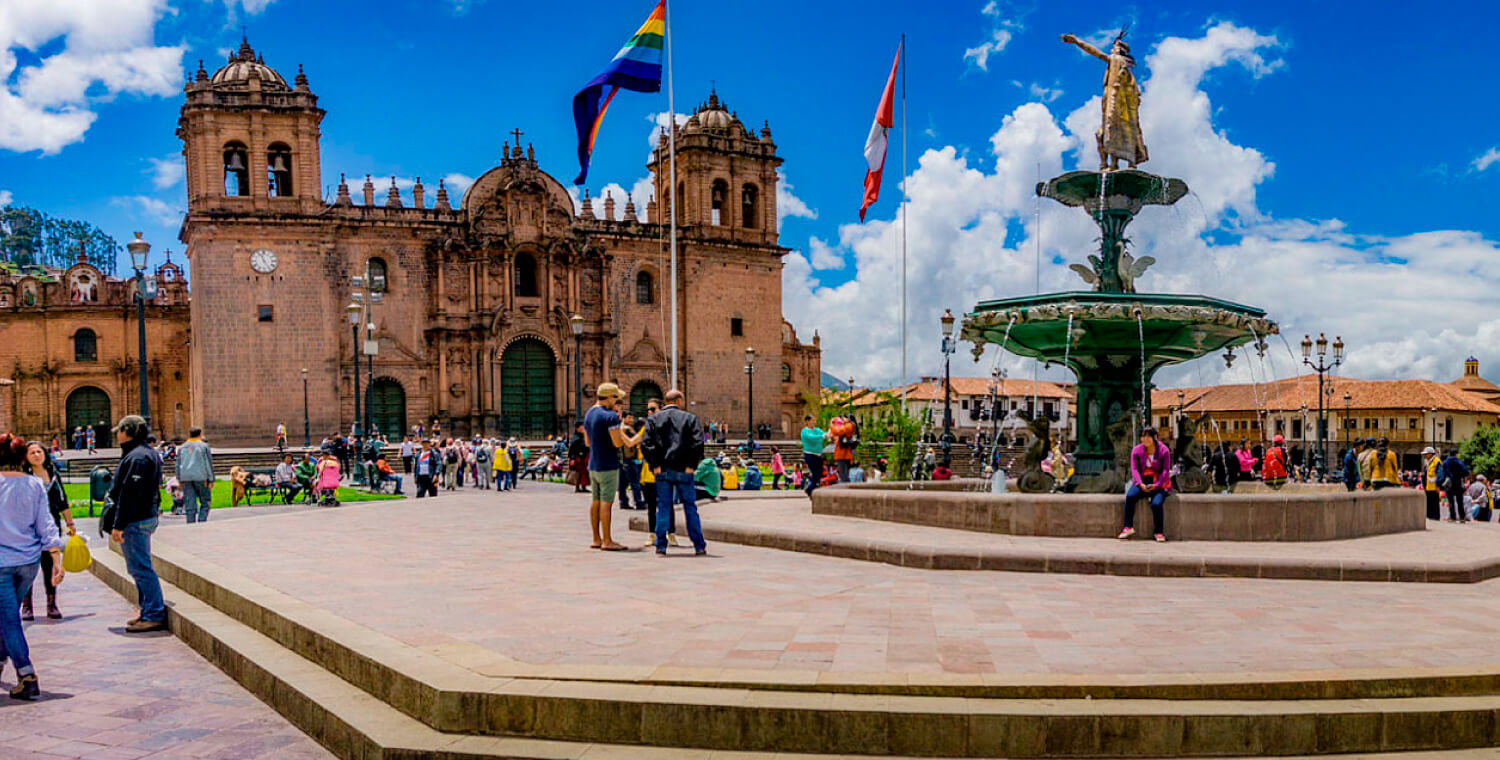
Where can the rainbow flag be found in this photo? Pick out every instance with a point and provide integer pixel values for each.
(636, 67)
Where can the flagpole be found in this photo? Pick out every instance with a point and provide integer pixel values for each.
(672, 189)
(903, 222)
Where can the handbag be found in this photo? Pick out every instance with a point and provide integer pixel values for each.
(572, 478)
(107, 517)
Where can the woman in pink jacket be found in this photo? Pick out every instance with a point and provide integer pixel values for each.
(778, 468)
(1150, 477)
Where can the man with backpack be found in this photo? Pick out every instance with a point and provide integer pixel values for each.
(427, 465)
(1454, 475)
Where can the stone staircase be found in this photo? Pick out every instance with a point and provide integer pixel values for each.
(365, 695)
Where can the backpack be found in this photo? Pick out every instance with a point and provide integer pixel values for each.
(451, 457)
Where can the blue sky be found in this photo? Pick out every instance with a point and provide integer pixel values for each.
(1372, 118)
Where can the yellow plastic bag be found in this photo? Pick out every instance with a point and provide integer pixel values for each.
(76, 558)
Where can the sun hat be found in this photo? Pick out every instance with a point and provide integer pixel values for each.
(609, 390)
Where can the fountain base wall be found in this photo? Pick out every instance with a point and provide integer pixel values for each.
(1270, 516)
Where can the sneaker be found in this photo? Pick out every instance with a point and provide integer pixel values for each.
(26, 689)
(701, 553)
(1160, 538)
(146, 626)
(661, 552)
(672, 540)
(1127, 533)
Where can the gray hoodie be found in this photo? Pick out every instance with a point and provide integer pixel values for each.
(195, 461)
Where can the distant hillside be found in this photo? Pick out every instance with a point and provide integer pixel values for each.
(832, 383)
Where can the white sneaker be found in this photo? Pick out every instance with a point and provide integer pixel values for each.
(672, 539)
(1127, 533)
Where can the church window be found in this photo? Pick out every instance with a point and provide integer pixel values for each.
(645, 288)
(236, 170)
(720, 201)
(279, 170)
(377, 270)
(786, 373)
(736, 326)
(750, 206)
(85, 346)
(526, 276)
(264, 313)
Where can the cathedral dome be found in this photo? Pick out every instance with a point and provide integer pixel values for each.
(244, 66)
(712, 117)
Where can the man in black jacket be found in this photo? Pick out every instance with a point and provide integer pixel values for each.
(673, 447)
(137, 496)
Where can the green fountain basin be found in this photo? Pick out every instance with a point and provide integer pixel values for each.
(1126, 189)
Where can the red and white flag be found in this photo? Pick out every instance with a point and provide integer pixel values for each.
(875, 144)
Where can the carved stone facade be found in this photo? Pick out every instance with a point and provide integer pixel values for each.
(70, 350)
(474, 325)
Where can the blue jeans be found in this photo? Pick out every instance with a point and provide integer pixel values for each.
(814, 464)
(677, 485)
(15, 583)
(1158, 497)
(394, 477)
(197, 495)
(630, 485)
(137, 550)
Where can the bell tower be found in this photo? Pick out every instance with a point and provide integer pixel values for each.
(250, 141)
(726, 177)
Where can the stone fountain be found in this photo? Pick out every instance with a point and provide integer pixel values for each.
(1112, 338)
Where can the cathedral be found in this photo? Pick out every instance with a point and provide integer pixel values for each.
(481, 314)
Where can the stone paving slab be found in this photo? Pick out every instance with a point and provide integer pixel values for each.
(1444, 553)
(108, 696)
(510, 574)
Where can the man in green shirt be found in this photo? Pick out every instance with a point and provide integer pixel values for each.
(813, 441)
(707, 480)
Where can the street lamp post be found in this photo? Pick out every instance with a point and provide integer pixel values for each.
(575, 323)
(1302, 440)
(353, 310)
(949, 345)
(138, 249)
(1348, 401)
(370, 377)
(306, 421)
(750, 393)
(1322, 366)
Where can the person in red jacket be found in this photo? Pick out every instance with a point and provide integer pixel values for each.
(1273, 470)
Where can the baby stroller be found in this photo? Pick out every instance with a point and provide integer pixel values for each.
(326, 483)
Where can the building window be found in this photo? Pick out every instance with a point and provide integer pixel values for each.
(279, 170)
(736, 327)
(786, 373)
(263, 313)
(720, 201)
(750, 206)
(1411, 423)
(236, 170)
(85, 346)
(645, 288)
(378, 275)
(1393, 423)
(526, 276)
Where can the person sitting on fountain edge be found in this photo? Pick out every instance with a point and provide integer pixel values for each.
(1150, 476)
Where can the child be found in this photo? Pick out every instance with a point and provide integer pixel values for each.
(174, 489)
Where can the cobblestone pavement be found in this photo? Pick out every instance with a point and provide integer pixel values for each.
(511, 573)
(107, 696)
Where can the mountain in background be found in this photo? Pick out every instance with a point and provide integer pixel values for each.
(832, 383)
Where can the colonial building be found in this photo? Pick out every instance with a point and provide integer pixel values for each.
(69, 348)
(973, 400)
(474, 328)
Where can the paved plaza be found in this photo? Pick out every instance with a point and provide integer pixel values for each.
(486, 577)
(109, 696)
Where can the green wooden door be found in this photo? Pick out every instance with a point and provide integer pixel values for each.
(89, 407)
(527, 377)
(388, 408)
(642, 392)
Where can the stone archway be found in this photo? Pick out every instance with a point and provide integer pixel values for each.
(87, 407)
(527, 392)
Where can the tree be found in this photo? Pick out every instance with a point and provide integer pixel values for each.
(1482, 451)
(32, 238)
(885, 428)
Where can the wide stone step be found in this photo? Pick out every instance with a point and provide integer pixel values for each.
(785, 716)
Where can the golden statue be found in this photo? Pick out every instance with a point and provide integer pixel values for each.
(1119, 134)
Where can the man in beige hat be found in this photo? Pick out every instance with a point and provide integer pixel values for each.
(604, 434)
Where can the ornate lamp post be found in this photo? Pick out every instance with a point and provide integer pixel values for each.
(949, 346)
(306, 421)
(1322, 366)
(138, 249)
(575, 323)
(750, 393)
(354, 310)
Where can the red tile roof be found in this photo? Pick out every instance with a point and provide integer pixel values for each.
(1292, 393)
(932, 390)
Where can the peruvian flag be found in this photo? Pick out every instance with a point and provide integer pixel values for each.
(875, 144)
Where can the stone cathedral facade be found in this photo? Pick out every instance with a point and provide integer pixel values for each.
(473, 329)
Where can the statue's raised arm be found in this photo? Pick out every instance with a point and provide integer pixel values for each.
(1085, 47)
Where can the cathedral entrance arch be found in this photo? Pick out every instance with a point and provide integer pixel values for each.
(89, 407)
(642, 392)
(528, 371)
(388, 408)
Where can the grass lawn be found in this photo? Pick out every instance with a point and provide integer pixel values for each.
(78, 495)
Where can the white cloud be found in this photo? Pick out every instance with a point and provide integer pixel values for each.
(457, 185)
(1001, 32)
(251, 7)
(460, 7)
(158, 211)
(659, 122)
(107, 50)
(821, 255)
(166, 172)
(1043, 93)
(787, 202)
(973, 235)
(1489, 158)
(5, 198)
